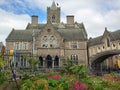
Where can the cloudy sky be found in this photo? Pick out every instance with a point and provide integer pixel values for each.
(95, 14)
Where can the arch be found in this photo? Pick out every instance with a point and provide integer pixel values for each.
(49, 61)
(56, 61)
(100, 57)
(41, 61)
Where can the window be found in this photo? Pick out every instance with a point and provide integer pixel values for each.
(17, 46)
(56, 61)
(52, 42)
(22, 61)
(108, 42)
(74, 58)
(45, 42)
(98, 48)
(41, 61)
(74, 45)
(53, 19)
(113, 45)
(49, 42)
(25, 45)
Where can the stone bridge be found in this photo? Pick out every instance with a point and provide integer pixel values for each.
(102, 47)
(100, 57)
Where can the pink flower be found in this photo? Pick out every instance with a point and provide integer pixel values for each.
(55, 77)
(78, 86)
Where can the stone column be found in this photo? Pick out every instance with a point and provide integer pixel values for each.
(52, 62)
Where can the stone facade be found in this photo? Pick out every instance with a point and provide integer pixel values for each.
(109, 41)
(52, 43)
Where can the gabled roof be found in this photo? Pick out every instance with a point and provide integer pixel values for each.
(67, 33)
(98, 40)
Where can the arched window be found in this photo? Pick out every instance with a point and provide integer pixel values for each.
(74, 58)
(41, 61)
(49, 41)
(45, 42)
(49, 61)
(52, 42)
(108, 42)
(56, 61)
(53, 19)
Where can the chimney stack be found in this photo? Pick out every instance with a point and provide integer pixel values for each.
(34, 20)
(70, 20)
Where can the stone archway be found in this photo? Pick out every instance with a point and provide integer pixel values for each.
(49, 61)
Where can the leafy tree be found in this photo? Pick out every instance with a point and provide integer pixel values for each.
(68, 66)
(79, 70)
(33, 62)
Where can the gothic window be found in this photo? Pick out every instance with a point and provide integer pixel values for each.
(56, 61)
(41, 61)
(74, 45)
(49, 42)
(52, 42)
(45, 42)
(53, 19)
(108, 42)
(74, 58)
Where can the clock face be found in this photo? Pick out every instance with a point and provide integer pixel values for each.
(49, 41)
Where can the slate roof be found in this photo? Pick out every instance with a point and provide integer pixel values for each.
(72, 34)
(98, 40)
(21, 35)
(76, 33)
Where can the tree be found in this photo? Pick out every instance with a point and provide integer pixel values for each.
(33, 62)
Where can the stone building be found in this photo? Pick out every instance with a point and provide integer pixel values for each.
(52, 43)
(109, 41)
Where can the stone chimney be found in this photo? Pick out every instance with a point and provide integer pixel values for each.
(70, 20)
(34, 20)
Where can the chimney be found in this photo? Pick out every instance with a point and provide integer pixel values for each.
(34, 20)
(70, 20)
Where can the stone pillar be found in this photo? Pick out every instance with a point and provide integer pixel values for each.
(52, 62)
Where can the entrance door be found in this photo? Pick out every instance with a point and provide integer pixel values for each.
(49, 61)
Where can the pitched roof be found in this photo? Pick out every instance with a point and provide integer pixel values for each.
(72, 34)
(75, 33)
(98, 40)
(22, 35)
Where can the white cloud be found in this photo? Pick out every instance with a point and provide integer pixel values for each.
(95, 14)
(9, 20)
